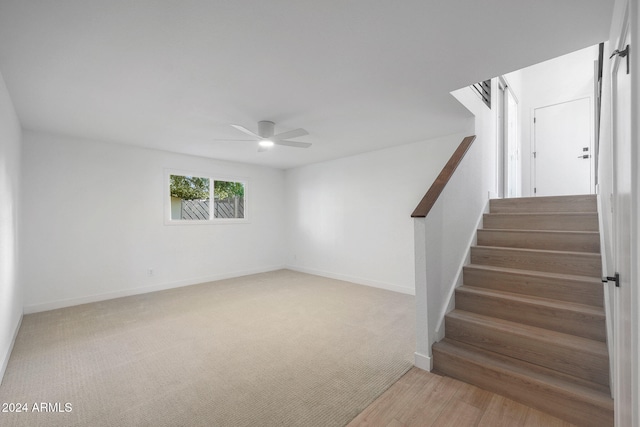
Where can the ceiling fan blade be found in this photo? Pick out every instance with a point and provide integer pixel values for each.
(293, 144)
(228, 139)
(247, 131)
(290, 134)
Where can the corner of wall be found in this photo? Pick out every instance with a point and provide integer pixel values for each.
(5, 362)
(11, 298)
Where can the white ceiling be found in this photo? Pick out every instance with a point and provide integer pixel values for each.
(359, 75)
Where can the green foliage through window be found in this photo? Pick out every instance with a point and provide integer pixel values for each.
(227, 189)
(189, 187)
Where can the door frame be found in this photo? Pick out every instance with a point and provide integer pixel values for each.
(502, 136)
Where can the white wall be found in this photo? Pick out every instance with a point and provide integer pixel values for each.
(351, 218)
(93, 223)
(562, 79)
(10, 289)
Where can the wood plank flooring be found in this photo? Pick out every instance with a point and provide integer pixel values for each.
(425, 399)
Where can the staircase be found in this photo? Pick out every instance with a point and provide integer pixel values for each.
(529, 321)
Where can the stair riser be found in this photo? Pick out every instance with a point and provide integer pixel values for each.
(554, 262)
(533, 349)
(586, 203)
(553, 400)
(565, 222)
(576, 291)
(586, 325)
(555, 241)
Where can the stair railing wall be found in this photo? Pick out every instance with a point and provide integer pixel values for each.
(442, 236)
(447, 222)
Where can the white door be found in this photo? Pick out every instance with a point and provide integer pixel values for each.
(622, 189)
(562, 153)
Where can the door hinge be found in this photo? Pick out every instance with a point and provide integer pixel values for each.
(534, 154)
(535, 190)
(534, 120)
(615, 279)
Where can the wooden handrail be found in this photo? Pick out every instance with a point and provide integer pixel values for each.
(441, 181)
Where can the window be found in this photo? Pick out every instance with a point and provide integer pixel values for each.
(190, 199)
(228, 199)
(483, 89)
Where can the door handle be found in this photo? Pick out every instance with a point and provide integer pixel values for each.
(584, 156)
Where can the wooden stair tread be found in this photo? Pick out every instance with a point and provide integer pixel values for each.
(578, 263)
(535, 273)
(547, 302)
(582, 203)
(594, 393)
(518, 230)
(583, 345)
(578, 221)
(525, 214)
(561, 240)
(528, 250)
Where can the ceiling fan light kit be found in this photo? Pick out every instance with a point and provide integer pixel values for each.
(267, 139)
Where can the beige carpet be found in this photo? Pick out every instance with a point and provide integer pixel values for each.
(274, 349)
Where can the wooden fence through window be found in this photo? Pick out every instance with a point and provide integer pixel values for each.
(199, 209)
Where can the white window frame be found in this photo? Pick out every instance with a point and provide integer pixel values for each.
(212, 178)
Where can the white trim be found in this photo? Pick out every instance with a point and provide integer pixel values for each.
(352, 279)
(422, 361)
(35, 308)
(5, 362)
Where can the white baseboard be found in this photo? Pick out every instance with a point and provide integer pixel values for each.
(357, 280)
(423, 362)
(5, 362)
(35, 308)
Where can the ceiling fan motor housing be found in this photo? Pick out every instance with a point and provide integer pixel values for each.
(265, 129)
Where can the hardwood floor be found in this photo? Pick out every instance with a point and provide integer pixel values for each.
(425, 399)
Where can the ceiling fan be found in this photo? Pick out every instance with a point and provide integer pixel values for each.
(267, 139)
